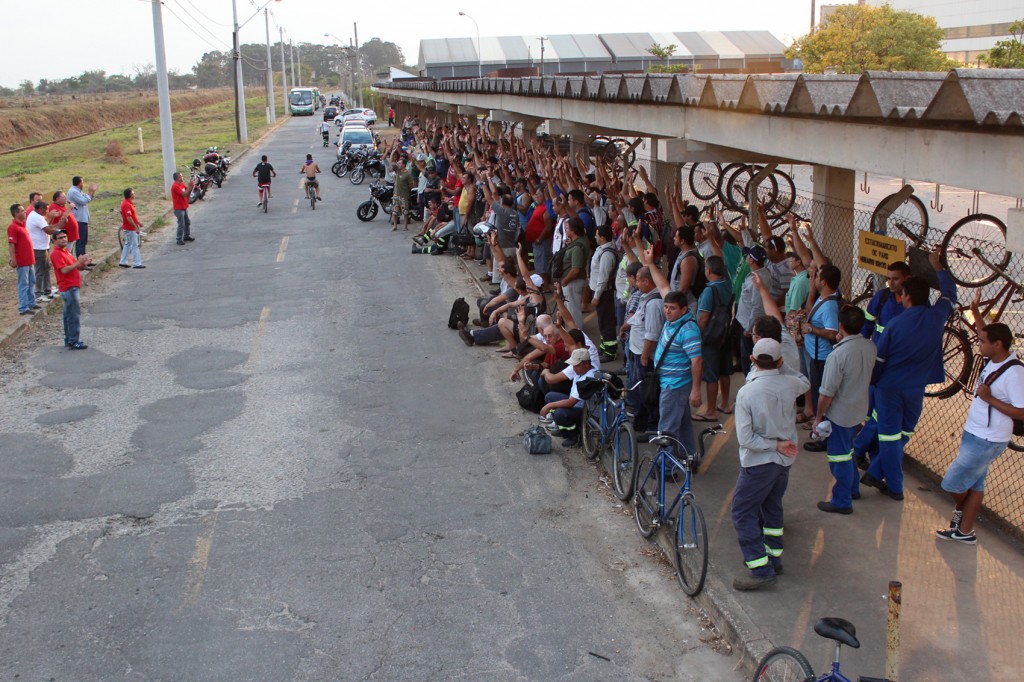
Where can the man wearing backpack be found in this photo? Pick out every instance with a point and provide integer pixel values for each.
(573, 276)
(998, 402)
(687, 273)
(714, 317)
(602, 283)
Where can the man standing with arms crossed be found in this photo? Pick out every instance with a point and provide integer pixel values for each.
(179, 202)
(69, 280)
(79, 201)
(998, 400)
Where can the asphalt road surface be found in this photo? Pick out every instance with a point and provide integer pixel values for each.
(275, 462)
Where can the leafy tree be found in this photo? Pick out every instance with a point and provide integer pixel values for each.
(856, 38)
(214, 70)
(662, 51)
(27, 87)
(376, 53)
(1008, 54)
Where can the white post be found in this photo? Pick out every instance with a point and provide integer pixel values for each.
(284, 79)
(164, 97)
(359, 85)
(271, 111)
(243, 132)
(142, 150)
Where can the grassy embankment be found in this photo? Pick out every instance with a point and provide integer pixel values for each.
(50, 168)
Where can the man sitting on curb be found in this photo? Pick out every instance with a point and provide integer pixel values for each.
(565, 411)
(766, 433)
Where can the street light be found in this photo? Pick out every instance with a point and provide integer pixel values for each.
(240, 123)
(479, 57)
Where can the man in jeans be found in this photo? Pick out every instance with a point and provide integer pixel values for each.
(40, 230)
(644, 331)
(69, 280)
(79, 201)
(179, 202)
(22, 259)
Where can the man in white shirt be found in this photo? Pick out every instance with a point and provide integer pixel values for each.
(39, 231)
(998, 401)
(565, 411)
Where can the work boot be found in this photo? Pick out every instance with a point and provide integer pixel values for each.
(749, 583)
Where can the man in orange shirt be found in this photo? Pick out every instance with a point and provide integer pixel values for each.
(22, 259)
(131, 226)
(67, 268)
(179, 202)
(56, 211)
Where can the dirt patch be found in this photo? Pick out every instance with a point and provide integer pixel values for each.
(113, 152)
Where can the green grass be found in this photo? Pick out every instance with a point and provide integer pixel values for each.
(51, 168)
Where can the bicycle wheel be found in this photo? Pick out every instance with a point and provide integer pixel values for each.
(312, 197)
(908, 219)
(784, 664)
(266, 201)
(957, 361)
(336, 168)
(590, 426)
(645, 499)
(120, 237)
(356, 178)
(785, 195)
(623, 151)
(970, 239)
(736, 191)
(691, 547)
(624, 461)
(704, 180)
(367, 211)
(723, 182)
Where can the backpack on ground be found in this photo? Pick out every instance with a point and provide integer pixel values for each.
(530, 397)
(537, 441)
(717, 329)
(460, 313)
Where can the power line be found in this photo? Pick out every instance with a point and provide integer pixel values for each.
(219, 48)
(206, 17)
(182, 8)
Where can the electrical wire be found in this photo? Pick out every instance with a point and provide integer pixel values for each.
(219, 48)
(191, 16)
(206, 17)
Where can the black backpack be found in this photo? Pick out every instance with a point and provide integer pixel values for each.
(558, 261)
(1018, 424)
(717, 329)
(700, 278)
(460, 313)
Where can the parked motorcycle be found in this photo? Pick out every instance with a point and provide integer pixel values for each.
(216, 165)
(370, 164)
(199, 182)
(381, 196)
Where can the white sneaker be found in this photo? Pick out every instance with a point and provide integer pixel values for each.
(54, 292)
(546, 418)
(43, 298)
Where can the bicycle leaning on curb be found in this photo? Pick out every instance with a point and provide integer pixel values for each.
(690, 539)
(786, 664)
(606, 423)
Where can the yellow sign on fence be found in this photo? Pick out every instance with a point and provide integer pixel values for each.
(876, 252)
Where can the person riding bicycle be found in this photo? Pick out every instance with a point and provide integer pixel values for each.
(310, 168)
(263, 173)
(325, 131)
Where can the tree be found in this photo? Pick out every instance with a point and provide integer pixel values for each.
(1008, 54)
(857, 38)
(376, 53)
(662, 51)
(26, 87)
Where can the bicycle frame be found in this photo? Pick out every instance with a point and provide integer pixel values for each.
(664, 457)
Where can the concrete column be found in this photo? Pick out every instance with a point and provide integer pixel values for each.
(832, 218)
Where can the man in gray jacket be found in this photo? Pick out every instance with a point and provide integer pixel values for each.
(602, 283)
(766, 432)
(843, 400)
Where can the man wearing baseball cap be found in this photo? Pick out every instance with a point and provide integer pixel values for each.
(766, 433)
(565, 411)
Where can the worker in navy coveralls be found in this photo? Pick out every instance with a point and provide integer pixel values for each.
(909, 358)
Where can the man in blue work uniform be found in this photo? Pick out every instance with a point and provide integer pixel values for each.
(882, 309)
(909, 358)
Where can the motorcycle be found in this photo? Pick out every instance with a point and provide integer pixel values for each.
(381, 197)
(198, 182)
(216, 165)
(370, 164)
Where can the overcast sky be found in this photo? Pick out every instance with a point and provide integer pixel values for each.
(54, 39)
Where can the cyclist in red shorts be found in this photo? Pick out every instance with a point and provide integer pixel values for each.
(263, 172)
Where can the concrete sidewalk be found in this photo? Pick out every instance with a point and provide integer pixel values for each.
(962, 606)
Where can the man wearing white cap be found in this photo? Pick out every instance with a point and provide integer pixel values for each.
(565, 411)
(766, 432)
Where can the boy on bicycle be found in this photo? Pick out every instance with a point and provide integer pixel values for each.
(310, 168)
(263, 173)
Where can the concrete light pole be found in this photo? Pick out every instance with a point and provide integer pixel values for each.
(240, 122)
(359, 69)
(271, 109)
(284, 78)
(480, 57)
(164, 96)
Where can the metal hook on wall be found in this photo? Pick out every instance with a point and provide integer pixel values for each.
(864, 187)
(935, 204)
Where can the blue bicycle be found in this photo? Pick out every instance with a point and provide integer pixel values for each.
(786, 664)
(605, 423)
(690, 539)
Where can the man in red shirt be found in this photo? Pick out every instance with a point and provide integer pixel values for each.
(179, 202)
(22, 259)
(67, 268)
(56, 210)
(131, 226)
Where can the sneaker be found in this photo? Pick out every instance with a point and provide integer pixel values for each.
(831, 509)
(77, 345)
(546, 418)
(571, 441)
(955, 535)
(180, 243)
(54, 292)
(44, 298)
(863, 462)
(190, 239)
(466, 337)
(958, 516)
(749, 583)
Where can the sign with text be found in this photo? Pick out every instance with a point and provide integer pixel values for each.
(875, 252)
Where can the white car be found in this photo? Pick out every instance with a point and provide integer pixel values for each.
(368, 116)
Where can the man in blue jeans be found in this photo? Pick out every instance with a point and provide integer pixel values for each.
(67, 269)
(23, 259)
(566, 411)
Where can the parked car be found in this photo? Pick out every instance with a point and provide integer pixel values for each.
(330, 113)
(365, 115)
(359, 136)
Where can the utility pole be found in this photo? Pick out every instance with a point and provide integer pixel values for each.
(812, 16)
(163, 92)
(240, 131)
(271, 109)
(298, 51)
(542, 39)
(284, 79)
(355, 30)
(291, 49)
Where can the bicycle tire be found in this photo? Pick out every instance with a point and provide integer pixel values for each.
(336, 168)
(590, 430)
(644, 497)
(1016, 443)
(784, 664)
(356, 178)
(704, 180)
(266, 202)
(909, 217)
(623, 151)
(312, 197)
(723, 181)
(624, 461)
(977, 233)
(120, 237)
(736, 190)
(785, 195)
(690, 543)
(367, 211)
(957, 362)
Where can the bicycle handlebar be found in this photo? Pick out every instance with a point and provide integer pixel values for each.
(710, 431)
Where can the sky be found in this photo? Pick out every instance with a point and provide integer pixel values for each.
(116, 36)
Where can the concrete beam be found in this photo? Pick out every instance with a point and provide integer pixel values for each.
(450, 108)
(691, 151)
(502, 115)
(988, 162)
(468, 110)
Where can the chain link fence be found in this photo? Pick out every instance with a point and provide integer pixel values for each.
(972, 247)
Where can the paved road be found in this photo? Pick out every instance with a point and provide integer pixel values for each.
(276, 462)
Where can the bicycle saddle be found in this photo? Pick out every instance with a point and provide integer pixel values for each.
(838, 629)
(662, 441)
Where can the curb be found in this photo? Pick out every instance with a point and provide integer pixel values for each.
(10, 336)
